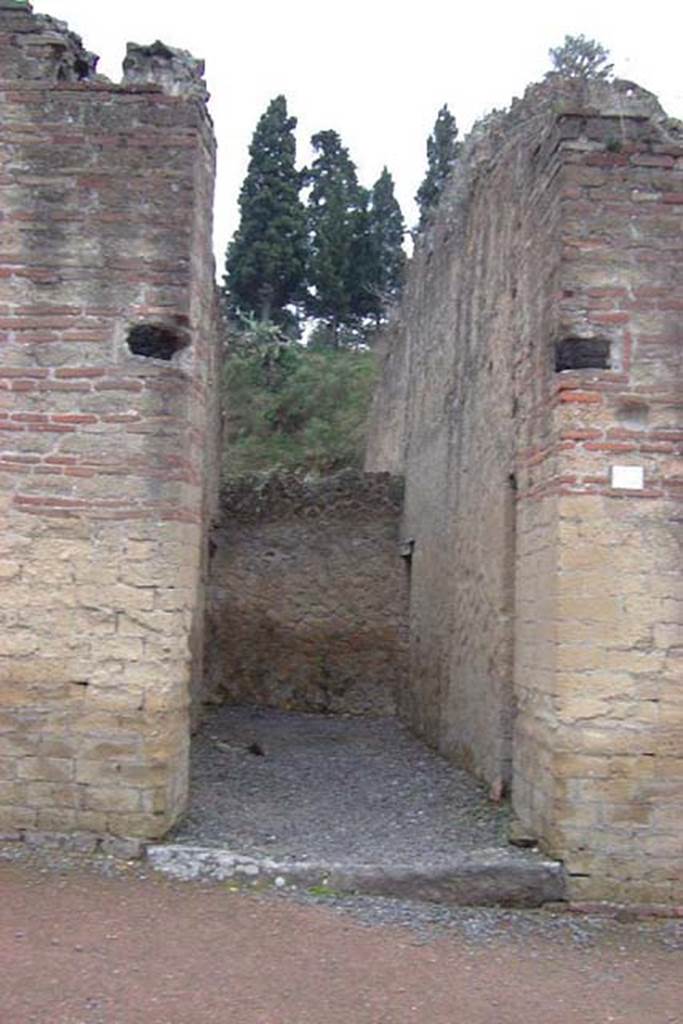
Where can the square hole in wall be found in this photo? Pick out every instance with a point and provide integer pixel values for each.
(583, 354)
(155, 341)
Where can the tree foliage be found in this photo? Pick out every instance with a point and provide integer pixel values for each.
(386, 228)
(442, 153)
(339, 249)
(337, 261)
(266, 260)
(579, 57)
(294, 408)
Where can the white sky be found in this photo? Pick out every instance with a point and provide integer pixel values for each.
(374, 70)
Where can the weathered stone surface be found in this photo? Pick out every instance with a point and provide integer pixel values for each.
(307, 598)
(479, 878)
(105, 482)
(545, 598)
(74, 842)
(176, 72)
(43, 47)
(122, 848)
(541, 592)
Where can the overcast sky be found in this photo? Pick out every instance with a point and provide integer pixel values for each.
(373, 70)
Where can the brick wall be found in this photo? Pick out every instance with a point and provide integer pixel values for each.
(540, 592)
(107, 365)
(307, 600)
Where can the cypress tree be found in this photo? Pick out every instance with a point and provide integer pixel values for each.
(338, 236)
(387, 228)
(266, 260)
(442, 153)
(363, 276)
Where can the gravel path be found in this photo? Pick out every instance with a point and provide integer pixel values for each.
(343, 789)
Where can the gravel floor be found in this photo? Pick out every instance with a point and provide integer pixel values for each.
(326, 788)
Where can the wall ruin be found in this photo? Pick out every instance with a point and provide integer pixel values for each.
(531, 396)
(107, 371)
(535, 372)
(307, 598)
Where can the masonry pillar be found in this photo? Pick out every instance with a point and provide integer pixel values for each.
(599, 666)
(107, 367)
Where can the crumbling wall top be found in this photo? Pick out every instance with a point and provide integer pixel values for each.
(176, 72)
(277, 496)
(47, 49)
(544, 105)
(37, 47)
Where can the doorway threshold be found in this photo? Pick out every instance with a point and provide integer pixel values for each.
(345, 804)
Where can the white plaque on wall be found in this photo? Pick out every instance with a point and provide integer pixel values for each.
(628, 478)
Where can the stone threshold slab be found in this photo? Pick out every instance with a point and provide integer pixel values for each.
(484, 877)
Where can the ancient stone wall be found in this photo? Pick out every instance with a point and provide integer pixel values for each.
(539, 362)
(107, 368)
(599, 745)
(307, 602)
(459, 383)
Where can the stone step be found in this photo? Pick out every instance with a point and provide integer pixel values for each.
(483, 877)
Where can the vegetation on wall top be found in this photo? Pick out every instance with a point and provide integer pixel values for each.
(294, 408)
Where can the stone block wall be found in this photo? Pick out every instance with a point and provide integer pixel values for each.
(107, 371)
(540, 356)
(307, 601)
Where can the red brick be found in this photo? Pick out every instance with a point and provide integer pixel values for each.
(74, 418)
(607, 446)
(62, 386)
(650, 160)
(85, 337)
(120, 385)
(606, 159)
(580, 435)
(24, 372)
(607, 319)
(582, 397)
(83, 371)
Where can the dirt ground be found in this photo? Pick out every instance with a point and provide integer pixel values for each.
(79, 946)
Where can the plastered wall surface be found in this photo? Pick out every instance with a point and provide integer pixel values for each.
(105, 447)
(307, 600)
(545, 629)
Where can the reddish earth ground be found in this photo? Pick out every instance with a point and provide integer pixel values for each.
(76, 948)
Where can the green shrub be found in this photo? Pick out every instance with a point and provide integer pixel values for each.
(296, 409)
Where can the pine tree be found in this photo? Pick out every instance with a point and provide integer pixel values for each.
(339, 246)
(579, 57)
(387, 228)
(266, 260)
(442, 153)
